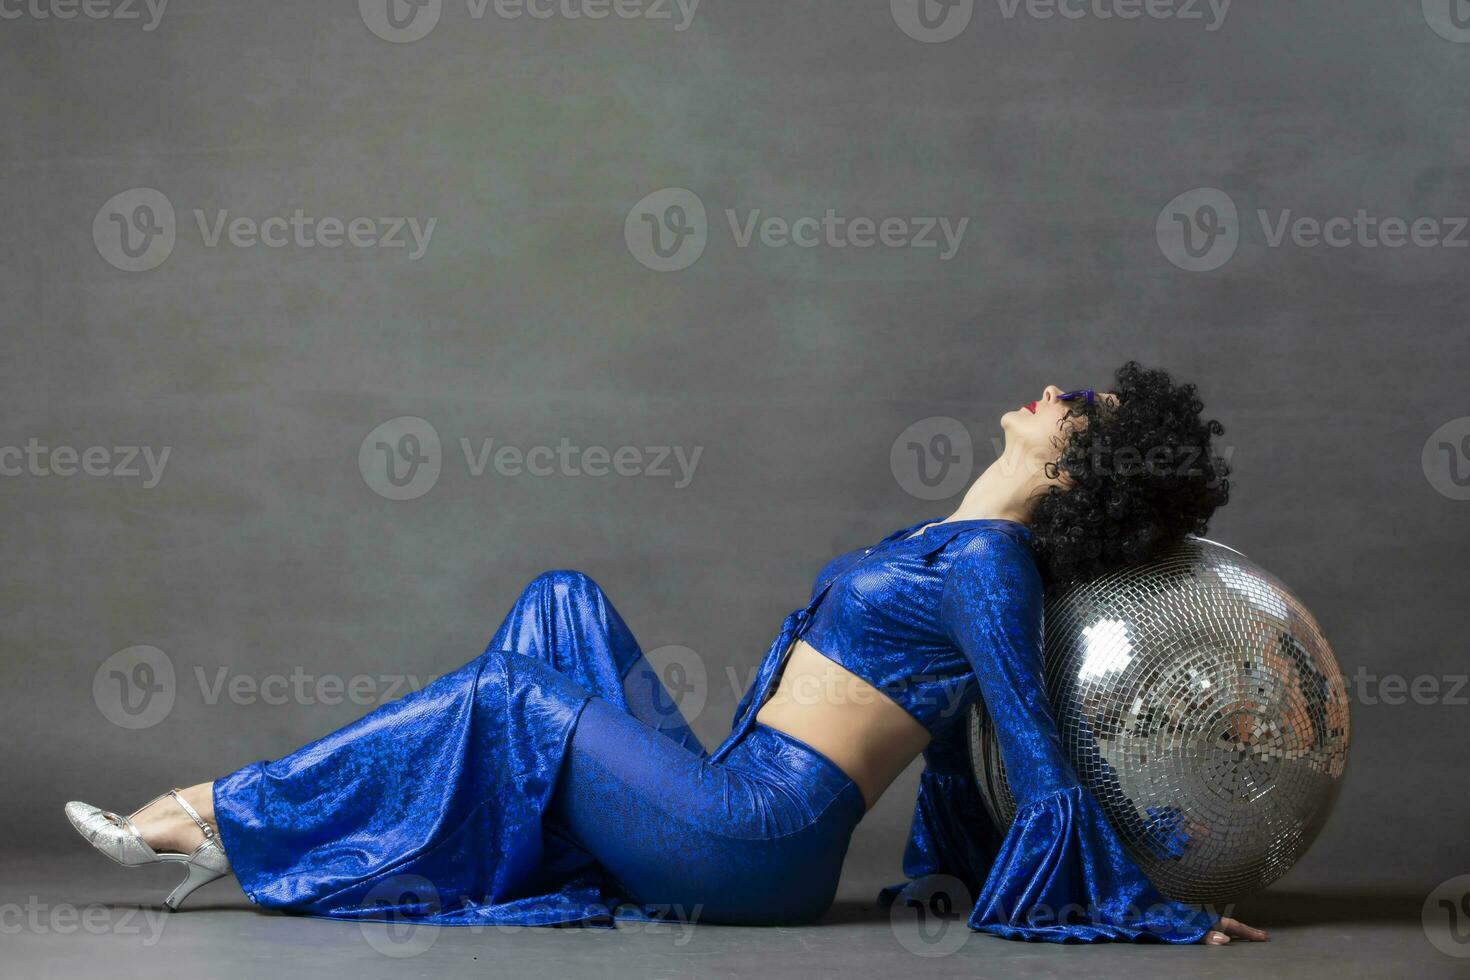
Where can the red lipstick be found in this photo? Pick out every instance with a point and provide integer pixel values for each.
(1031, 408)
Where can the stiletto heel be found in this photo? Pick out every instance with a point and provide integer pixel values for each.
(118, 838)
(195, 875)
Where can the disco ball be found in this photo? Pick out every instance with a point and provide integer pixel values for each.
(1201, 705)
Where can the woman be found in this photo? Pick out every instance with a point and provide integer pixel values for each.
(552, 779)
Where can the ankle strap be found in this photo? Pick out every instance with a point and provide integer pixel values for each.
(193, 814)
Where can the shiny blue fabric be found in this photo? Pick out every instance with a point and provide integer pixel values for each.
(882, 618)
(1059, 873)
(552, 780)
(757, 839)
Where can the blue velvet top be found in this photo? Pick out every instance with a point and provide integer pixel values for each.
(938, 620)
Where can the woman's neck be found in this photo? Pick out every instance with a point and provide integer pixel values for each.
(1007, 490)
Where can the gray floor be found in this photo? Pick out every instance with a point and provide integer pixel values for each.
(82, 917)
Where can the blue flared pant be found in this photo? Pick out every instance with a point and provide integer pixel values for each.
(551, 780)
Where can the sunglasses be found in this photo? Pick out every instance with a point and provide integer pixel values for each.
(1086, 393)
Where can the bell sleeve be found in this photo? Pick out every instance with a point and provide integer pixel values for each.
(1060, 873)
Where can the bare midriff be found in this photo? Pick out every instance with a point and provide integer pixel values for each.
(854, 724)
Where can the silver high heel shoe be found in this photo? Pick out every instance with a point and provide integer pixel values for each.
(119, 839)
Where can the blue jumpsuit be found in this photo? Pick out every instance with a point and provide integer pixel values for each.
(552, 780)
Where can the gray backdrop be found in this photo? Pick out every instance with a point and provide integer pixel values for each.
(543, 309)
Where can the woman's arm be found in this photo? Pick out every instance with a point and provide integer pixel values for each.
(1061, 874)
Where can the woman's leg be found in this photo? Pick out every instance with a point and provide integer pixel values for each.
(562, 618)
(451, 782)
(755, 839)
(557, 749)
(758, 838)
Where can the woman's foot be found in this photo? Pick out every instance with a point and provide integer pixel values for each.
(168, 828)
(155, 834)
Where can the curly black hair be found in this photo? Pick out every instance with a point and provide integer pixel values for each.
(1136, 478)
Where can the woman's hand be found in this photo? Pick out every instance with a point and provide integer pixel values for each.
(1227, 929)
